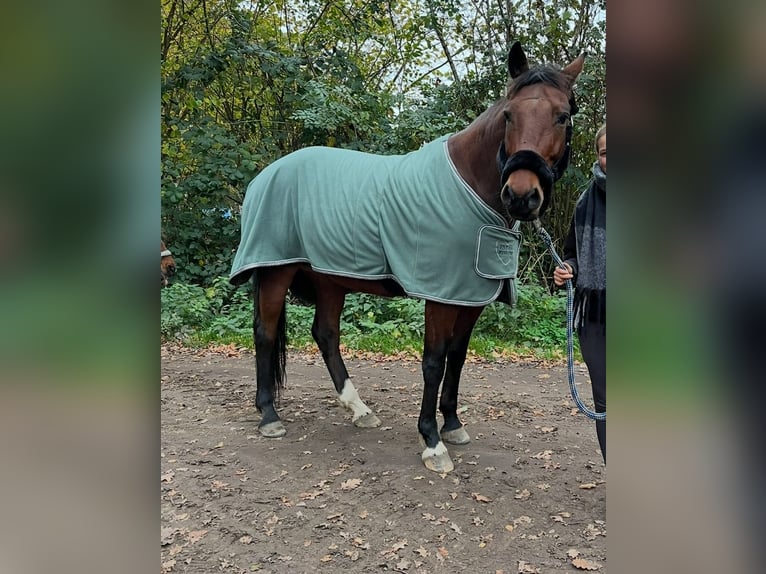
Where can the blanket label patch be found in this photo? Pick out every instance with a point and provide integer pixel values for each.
(497, 252)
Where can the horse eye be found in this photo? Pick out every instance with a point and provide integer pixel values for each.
(563, 118)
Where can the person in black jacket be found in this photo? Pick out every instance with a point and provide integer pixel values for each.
(585, 261)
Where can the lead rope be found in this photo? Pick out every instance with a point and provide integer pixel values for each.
(570, 326)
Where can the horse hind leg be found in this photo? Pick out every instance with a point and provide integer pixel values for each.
(326, 333)
(269, 333)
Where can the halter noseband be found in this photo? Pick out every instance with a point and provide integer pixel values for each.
(534, 162)
(165, 253)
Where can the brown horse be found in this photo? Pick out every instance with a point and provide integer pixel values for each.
(167, 264)
(503, 167)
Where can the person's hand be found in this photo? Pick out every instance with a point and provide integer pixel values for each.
(560, 275)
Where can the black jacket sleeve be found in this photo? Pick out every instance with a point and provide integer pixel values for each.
(570, 249)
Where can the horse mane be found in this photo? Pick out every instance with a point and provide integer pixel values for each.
(547, 75)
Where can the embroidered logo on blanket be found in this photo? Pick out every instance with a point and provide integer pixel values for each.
(505, 251)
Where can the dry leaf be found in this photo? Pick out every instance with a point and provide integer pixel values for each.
(456, 528)
(480, 497)
(353, 554)
(168, 566)
(326, 558)
(196, 535)
(419, 478)
(453, 495)
(350, 484)
(443, 552)
(246, 539)
(167, 534)
(572, 553)
(509, 527)
(403, 564)
(547, 429)
(588, 485)
(522, 495)
(167, 477)
(399, 545)
(422, 551)
(526, 568)
(583, 564)
(364, 514)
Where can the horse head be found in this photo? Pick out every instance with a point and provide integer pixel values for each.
(167, 264)
(538, 128)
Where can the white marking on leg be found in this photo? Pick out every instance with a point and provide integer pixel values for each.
(349, 398)
(438, 450)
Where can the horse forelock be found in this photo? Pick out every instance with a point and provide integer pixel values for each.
(546, 75)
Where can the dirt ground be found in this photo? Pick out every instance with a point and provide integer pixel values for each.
(527, 495)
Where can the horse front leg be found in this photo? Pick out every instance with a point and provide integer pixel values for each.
(453, 431)
(439, 325)
(326, 333)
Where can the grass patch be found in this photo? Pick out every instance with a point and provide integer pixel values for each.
(221, 314)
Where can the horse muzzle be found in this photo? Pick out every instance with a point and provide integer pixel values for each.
(527, 183)
(525, 206)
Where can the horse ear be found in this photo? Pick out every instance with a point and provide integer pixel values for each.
(517, 60)
(575, 67)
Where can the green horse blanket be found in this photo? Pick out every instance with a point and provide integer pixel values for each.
(410, 218)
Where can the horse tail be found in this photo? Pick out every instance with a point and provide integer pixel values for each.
(278, 359)
(279, 352)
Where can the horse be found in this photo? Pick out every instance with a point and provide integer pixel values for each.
(316, 210)
(167, 264)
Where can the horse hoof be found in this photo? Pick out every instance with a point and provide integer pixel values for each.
(367, 421)
(456, 436)
(273, 430)
(437, 459)
(439, 463)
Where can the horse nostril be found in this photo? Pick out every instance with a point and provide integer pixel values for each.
(534, 199)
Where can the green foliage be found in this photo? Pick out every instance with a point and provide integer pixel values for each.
(223, 314)
(219, 313)
(243, 84)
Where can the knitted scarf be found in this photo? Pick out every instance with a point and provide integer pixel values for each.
(590, 232)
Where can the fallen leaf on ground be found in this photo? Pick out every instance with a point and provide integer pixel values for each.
(583, 564)
(167, 477)
(246, 539)
(422, 551)
(350, 484)
(509, 527)
(526, 568)
(196, 535)
(480, 497)
(364, 514)
(167, 534)
(403, 564)
(522, 495)
(456, 528)
(443, 552)
(572, 553)
(326, 558)
(588, 485)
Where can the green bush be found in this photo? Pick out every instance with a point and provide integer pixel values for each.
(224, 314)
